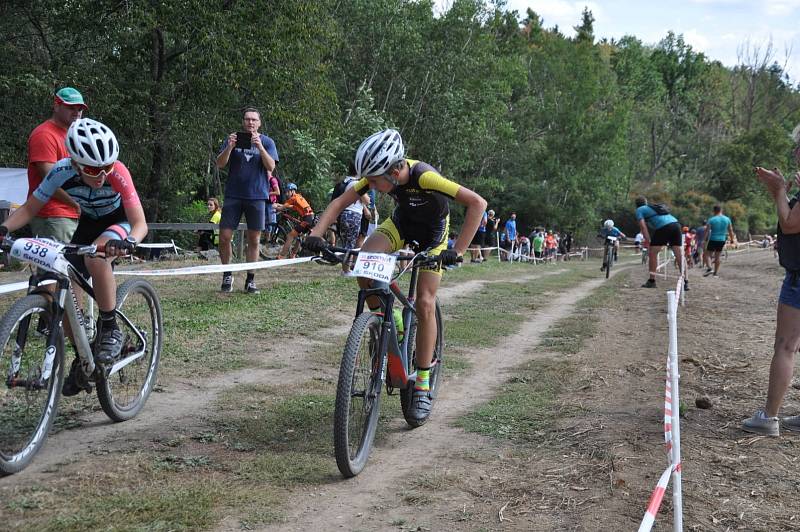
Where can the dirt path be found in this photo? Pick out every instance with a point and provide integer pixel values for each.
(365, 502)
(178, 404)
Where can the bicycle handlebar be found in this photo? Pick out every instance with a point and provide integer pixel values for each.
(69, 249)
(337, 255)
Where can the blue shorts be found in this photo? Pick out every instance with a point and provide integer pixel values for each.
(272, 217)
(253, 211)
(790, 290)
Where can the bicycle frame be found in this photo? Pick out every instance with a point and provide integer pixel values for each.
(76, 319)
(397, 360)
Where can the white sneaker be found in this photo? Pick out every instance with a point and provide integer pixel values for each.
(760, 423)
(791, 423)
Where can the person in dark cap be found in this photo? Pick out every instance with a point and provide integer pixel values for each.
(46, 145)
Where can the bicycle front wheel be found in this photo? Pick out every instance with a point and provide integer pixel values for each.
(123, 394)
(33, 377)
(358, 395)
(609, 260)
(435, 378)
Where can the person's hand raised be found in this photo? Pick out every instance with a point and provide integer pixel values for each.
(772, 179)
(256, 140)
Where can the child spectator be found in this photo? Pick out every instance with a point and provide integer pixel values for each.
(296, 202)
(209, 239)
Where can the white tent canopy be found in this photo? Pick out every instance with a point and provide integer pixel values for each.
(14, 185)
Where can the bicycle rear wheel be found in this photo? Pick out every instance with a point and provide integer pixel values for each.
(358, 395)
(28, 402)
(436, 368)
(123, 394)
(273, 245)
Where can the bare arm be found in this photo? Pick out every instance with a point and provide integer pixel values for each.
(137, 220)
(222, 158)
(24, 214)
(476, 206)
(266, 159)
(789, 219)
(644, 231)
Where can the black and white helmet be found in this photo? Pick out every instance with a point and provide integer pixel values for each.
(91, 143)
(379, 152)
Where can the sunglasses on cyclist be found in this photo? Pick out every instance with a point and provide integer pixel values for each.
(96, 171)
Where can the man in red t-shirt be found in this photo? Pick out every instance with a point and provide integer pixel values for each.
(46, 146)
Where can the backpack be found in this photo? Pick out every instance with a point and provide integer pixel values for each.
(659, 208)
(281, 187)
(340, 187)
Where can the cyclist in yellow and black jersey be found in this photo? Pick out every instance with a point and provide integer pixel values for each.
(423, 212)
(423, 215)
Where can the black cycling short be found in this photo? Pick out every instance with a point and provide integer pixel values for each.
(669, 235)
(716, 245)
(477, 240)
(113, 225)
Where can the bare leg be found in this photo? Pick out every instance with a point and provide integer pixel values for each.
(787, 341)
(253, 237)
(225, 238)
(427, 286)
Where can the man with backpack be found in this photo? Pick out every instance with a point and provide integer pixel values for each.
(659, 228)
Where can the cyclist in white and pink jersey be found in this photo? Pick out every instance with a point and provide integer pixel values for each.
(111, 214)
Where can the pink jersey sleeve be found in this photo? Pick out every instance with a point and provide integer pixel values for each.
(121, 182)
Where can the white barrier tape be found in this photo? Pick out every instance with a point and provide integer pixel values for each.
(214, 268)
(655, 501)
(14, 287)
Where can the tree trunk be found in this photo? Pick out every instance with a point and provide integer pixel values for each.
(157, 125)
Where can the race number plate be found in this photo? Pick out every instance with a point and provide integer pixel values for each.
(377, 266)
(41, 252)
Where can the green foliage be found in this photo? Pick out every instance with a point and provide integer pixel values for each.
(562, 130)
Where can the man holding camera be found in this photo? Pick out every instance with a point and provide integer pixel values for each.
(249, 156)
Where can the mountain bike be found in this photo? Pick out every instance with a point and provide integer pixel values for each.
(32, 346)
(374, 355)
(280, 230)
(608, 254)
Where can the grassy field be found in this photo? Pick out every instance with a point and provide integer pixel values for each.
(259, 441)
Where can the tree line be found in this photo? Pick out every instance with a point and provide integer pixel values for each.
(562, 130)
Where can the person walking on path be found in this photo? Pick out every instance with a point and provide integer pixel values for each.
(510, 233)
(58, 218)
(787, 329)
(718, 229)
(248, 159)
(659, 229)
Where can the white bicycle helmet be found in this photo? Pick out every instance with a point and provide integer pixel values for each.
(91, 143)
(608, 224)
(379, 152)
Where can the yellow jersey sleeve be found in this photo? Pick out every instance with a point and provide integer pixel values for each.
(430, 180)
(362, 186)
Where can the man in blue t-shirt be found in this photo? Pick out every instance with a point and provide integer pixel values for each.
(658, 230)
(510, 233)
(248, 159)
(718, 229)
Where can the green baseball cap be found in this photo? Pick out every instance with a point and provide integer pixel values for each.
(70, 96)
